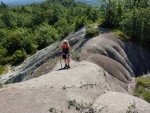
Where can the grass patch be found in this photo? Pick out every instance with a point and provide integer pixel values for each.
(132, 108)
(54, 110)
(99, 22)
(75, 54)
(1, 85)
(46, 67)
(143, 88)
(3, 70)
(81, 107)
(119, 34)
(146, 96)
(92, 25)
(91, 32)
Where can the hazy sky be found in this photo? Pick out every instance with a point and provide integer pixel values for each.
(8, 2)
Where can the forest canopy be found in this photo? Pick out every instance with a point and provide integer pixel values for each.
(26, 29)
(130, 16)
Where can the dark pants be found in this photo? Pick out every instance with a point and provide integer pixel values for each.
(64, 56)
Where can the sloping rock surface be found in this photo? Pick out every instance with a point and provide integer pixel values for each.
(115, 102)
(27, 68)
(85, 82)
(121, 59)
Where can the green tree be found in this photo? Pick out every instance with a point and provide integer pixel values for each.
(110, 8)
(12, 43)
(61, 25)
(7, 18)
(3, 55)
(26, 29)
(45, 35)
(3, 5)
(19, 56)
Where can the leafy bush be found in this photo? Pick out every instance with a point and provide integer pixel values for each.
(146, 96)
(75, 55)
(132, 108)
(145, 82)
(2, 69)
(35, 26)
(19, 56)
(143, 88)
(119, 34)
(1, 85)
(92, 32)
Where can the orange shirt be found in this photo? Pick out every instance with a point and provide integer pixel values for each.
(65, 49)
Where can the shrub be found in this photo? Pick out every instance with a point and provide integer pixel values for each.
(19, 56)
(3, 69)
(143, 88)
(119, 34)
(1, 85)
(52, 109)
(75, 55)
(143, 82)
(132, 108)
(91, 32)
(146, 96)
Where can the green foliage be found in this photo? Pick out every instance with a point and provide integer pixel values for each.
(91, 32)
(132, 108)
(143, 88)
(1, 85)
(126, 15)
(2, 69)
(33, 27)
(71, 103)
(3, 5)
(19, 56)
(52, 109)
(112, 12)
(145, 82)
(146, 96)
(64, 87)
(75, 55)
(81, 106)
(119, 34)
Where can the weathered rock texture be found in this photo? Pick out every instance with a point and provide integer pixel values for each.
(85, 82)
(121, 59)
(27, 68)
(101, 82)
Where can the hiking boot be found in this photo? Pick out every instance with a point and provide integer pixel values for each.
(68, 66)
(65, 66)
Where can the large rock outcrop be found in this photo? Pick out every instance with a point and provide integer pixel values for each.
(100, 82)
(121, 59)
(27, 68)
(85, 84)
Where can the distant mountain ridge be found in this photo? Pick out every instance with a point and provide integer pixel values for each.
(25, 2)
(92, 2)
(22, 2)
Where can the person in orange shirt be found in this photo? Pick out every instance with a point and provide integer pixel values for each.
(65, 50)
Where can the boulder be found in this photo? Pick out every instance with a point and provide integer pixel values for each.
(84, 82)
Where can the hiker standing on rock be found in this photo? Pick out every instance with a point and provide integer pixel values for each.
(65, 50)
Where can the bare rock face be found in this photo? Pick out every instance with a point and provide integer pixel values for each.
(26, 69)
(115, 102)
(100, 83)
(84, 87)
(121, 59)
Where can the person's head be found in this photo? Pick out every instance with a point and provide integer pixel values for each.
(65, 42)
